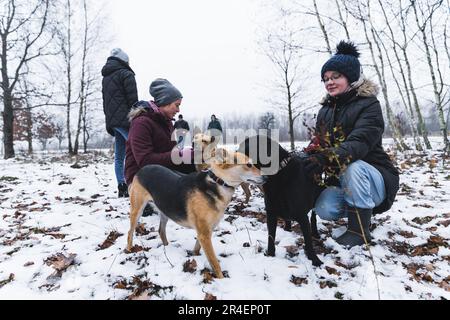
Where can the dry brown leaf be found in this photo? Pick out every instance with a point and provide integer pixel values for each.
(209, 296)
(331, 270)
(10, 278)
(444, 223)
(298, 281)
(110, 240)
(190, 266)
(60, 262)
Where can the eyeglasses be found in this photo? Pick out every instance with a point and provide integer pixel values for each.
(333, 77)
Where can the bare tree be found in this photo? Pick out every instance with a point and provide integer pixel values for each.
(341, 18)
(403, 92)
(267, 121)
(22, 27)
(362, 13)
(322, 28)
(285, 57)
(427, 18)
(403, 15)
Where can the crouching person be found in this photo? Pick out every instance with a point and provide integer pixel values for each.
(348, 145)
(150, 136)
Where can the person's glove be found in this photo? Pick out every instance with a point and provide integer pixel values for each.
(313, 146)
(315, 164)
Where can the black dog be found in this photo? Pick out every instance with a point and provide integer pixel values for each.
(288, 192)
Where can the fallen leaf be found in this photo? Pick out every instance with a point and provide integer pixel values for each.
(141, 231)
(444, 285)
(407, 234)
(60, 262)
(444, 223)
(331, 270)
(328, 283)
(110, 240)
(209, 296)
(190, 266)
(298, 281)
(422, 220)
(10, 278)
(207, 275)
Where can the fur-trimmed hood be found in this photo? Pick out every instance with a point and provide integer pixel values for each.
(368, 88)
(142, 107)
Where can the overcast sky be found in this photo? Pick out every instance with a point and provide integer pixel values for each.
(206, 48)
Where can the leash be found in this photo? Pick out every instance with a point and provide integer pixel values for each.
(216, 179)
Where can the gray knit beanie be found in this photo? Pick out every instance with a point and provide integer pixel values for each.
(119, 53)
(164, 92)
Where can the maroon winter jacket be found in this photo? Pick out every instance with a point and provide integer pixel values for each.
(149, 140)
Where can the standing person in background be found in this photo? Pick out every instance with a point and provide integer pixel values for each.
(214, 127)
(181, 128)
(119, 94)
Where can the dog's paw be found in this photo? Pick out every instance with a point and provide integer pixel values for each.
(316, 262)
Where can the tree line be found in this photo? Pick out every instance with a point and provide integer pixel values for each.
(48, 53)
(50, 81)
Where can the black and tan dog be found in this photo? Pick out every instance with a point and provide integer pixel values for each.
(197, 200)
(288, 192)
(205, 144)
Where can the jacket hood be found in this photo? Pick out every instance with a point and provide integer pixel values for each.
(368, 88)
(113, 64)
(147, 108)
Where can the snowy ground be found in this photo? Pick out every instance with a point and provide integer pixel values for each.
(62, 236)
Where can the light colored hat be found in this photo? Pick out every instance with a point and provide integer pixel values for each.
(119, 53)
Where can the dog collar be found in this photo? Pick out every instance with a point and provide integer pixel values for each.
(217, 180)
(292, 155)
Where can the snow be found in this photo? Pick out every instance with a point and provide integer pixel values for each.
(411, 252)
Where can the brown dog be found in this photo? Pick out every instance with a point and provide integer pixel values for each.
(207, 145)
(197, 200)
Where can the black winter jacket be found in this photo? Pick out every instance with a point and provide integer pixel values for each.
(356, 119)
(119, 93)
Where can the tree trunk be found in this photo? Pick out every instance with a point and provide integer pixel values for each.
(29, 130)
(8, 115)
(322, 27)
(437, 95)
(408, 105)
(69, 77)
(389, 114)
(343, 22)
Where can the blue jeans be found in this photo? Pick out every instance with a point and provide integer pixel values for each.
(121, 135)
(362, 186)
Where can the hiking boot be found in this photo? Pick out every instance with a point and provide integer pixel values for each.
(354, 235)
(123, 190)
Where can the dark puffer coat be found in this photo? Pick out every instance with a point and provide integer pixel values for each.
(356, 119)
(119, 93)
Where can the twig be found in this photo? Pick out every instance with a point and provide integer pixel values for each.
(112, 263)
(249, 238)
(72, 239)
(167, 257)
